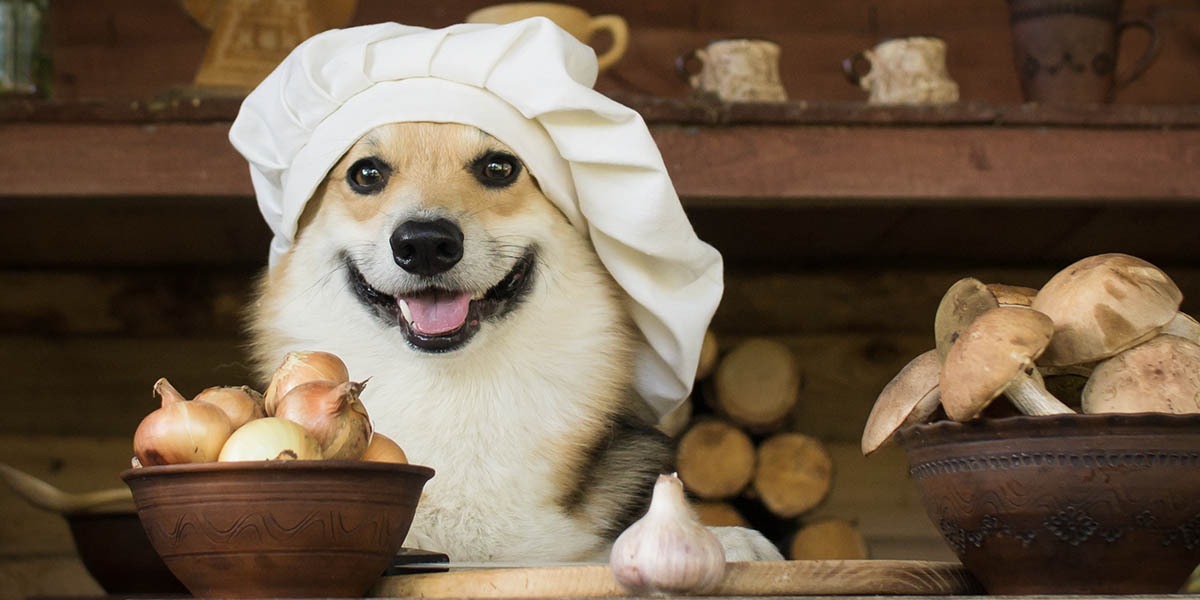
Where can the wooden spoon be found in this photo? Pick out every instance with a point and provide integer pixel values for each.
(47, 497)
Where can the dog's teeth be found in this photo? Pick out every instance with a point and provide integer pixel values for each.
(405, 311)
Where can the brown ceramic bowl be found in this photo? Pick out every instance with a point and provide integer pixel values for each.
(114, 549)
(1069, 504)
(282, 529)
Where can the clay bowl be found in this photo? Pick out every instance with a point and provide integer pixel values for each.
(1069, 504)
(282, 529)
(115, 551)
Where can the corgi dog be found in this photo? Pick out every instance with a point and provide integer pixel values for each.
(497, 346)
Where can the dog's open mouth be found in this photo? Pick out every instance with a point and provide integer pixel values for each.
(436, 319)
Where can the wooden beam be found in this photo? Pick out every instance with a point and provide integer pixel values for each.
(197, 105)
(770, 163)
(938, 165)
(120, 160)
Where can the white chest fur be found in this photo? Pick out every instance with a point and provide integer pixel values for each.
(495, 419)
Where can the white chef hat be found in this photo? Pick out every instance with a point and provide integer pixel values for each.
(529, 84)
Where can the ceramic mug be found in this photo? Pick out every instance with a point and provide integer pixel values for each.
(574, 20)
(905, 70)
(735, 70)
(1066, 50)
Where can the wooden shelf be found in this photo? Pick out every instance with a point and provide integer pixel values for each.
(789, 153)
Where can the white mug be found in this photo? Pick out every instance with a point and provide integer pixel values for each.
(735, 70)
(906, 70)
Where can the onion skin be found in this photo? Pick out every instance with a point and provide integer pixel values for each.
(384, 449)
(241, 403)
(270, 438)
(332, 413)
(180, 431)
(300, 367)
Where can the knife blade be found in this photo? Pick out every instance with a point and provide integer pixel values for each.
(410, 561)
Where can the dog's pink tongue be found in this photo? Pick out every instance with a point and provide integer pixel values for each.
(437, 312)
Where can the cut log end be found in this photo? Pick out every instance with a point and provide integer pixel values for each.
(719, 514)
(828, 539)
(715, 460)
(757, 385)
(793, 474)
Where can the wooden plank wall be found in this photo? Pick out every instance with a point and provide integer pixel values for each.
(136, 47)
(97, 300)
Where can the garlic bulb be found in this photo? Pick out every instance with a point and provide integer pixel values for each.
(668, 550)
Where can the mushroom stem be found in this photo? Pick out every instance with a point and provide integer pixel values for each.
(1183, 326)
(1032, 399)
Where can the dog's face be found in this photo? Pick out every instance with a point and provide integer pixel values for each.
(438, 228)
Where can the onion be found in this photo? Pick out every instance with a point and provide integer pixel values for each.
(331, 412)
(302, 367)
(180, 431)
(383, 449)
(270, 438)
(241, 403)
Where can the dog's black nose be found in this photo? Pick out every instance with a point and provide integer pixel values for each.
(427, 247)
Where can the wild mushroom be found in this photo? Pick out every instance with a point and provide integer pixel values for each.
(910, 397)
(1184, 326)
(1012, 295)
(1160, 375)
(1104, 304)
(995, 355)
(967, 299)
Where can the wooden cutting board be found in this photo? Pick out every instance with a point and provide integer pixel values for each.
(774, 578)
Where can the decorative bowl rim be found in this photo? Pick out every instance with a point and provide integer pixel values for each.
(297, 466)
(948, 431)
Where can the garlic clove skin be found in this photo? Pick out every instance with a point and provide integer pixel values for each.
(668, 550)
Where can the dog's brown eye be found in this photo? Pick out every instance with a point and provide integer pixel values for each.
(497, 169)
(367, 176)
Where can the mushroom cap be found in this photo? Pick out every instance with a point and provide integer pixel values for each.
(1012, 295)
(1104, 304)
(999, 345)
(960, 305)
(909, 397)
(1160, 375)
(967, 299)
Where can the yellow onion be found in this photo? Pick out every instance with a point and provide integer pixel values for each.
(271, 438)
(241, 403)
(302, 367)
(332, 413)
(181, 431)
(384, 449)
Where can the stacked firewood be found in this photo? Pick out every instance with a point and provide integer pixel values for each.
(741, 464)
